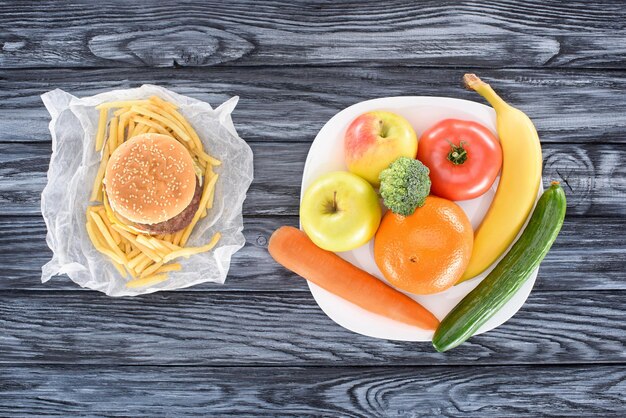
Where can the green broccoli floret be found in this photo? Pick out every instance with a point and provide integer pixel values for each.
(404, 185)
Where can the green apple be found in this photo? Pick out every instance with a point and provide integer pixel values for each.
(340, 211)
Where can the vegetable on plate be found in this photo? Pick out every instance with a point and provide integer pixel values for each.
(291, 248)
(404, 185)
(463, 156)
(509, 275)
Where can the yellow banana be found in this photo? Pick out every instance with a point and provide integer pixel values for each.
(519, 181)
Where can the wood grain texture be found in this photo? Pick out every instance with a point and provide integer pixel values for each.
(259, 345)
(196, 328)
(589, 254)
(292, 104)
(314, 391)
(452, 33)
(593, 176)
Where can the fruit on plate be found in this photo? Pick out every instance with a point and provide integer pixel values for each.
(463, 156)
(427, 251)
(374, 140)
(519, 181)
(482, 303)
(404, 185)
(340, 211)
(291, 248)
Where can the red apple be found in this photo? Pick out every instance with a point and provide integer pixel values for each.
(376, 139)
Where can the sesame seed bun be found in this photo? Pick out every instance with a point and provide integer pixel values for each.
(150, 179)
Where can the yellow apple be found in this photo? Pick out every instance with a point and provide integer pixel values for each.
(340, 211)
(376, 139)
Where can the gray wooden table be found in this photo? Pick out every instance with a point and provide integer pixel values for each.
(259, 345)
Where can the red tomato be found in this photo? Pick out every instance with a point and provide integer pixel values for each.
(464, 158)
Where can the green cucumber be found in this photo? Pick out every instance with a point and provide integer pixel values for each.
(508, 276)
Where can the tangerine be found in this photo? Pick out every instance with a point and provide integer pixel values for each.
(426, 252)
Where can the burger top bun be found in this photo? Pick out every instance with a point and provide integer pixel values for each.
(150, 178)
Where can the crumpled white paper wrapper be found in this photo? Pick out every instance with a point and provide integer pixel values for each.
(73, 167)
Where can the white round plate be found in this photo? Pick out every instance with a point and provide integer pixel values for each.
(326, 154)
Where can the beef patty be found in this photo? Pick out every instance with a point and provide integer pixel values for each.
(179, 221)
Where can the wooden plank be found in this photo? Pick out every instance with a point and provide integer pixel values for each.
(498, 34)
(193, 328)
(593, 176)
(314, 391)
(292, 104)
(588, 255)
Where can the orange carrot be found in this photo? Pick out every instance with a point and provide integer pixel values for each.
(291, 248)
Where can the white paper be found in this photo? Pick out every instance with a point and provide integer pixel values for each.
(73, 167)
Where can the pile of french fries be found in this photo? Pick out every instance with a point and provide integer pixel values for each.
(146, 258)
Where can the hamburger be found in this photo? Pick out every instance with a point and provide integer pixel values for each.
(152, 184)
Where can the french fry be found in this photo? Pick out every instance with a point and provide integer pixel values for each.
(138, 259)
(146, 129)
(143, 240)
(200, 162)
(107, 222)
(171, 246)
(112, 141)
(208, 174)
(140, 128)
(166, 113)
(166, 122)
(107, 236)
(150, 270)
(131, 128)
(131, 272)
(187, 252)
(203, 203)
(211, 199)
(160, 268)
(160, 247)
(161, 252)
(102, 127)
(120, 112)
(130, 237)
(139, 268)
(209, 186)
(146, 281)
(168, 267)
(120, 268)
(157, 100)
(137, 127)
(134, 251)
(96, 191)
(177, 237)
(98, 244)
(206, 157)
(152, 124)
(121, 128)
(127, 103)
(180, 118)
